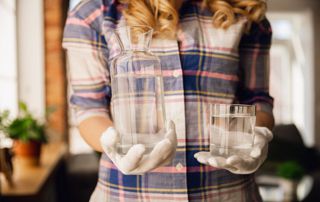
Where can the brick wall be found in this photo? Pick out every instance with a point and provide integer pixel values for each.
(55, 67)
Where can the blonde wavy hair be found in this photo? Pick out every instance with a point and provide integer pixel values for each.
(163, 17)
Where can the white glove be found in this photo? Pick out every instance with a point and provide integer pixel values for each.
(135, 162)
(241, 164)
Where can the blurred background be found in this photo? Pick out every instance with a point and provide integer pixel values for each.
(33, 70)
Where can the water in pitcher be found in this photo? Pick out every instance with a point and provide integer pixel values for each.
(231, 134)
(148, 140)
(138, 110)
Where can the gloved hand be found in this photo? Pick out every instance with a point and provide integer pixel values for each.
(241, 164)
(135, 162)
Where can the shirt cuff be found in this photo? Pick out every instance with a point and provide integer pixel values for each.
(83, 114)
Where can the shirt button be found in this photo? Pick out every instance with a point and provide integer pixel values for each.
(176, 73)
(179, 166)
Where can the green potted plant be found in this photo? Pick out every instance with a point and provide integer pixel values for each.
(292, 171)
(27, 132)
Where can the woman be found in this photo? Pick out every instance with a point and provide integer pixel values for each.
(213, 51)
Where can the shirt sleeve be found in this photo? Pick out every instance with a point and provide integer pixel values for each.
(254, 55)
(88, 73)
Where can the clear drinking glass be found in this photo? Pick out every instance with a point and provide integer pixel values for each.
(137, 90)
(231, 129)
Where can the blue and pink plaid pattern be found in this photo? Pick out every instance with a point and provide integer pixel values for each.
(203, 65)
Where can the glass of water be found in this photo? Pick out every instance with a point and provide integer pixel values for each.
(231, 129)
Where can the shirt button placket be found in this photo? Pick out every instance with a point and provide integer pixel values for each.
(176, 73)
(179, 167)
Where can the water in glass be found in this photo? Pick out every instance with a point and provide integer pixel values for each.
(231, 129)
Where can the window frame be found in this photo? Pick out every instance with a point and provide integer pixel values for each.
(303, 52)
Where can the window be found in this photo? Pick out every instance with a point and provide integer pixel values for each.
(291, 76)
(8, 64)
(8, 52)
(22, 56)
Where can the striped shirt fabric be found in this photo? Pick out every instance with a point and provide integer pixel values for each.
(203, 65)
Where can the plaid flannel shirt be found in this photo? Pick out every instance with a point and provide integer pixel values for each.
(203, 65)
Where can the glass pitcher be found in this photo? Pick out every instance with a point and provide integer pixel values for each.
(137, 103)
